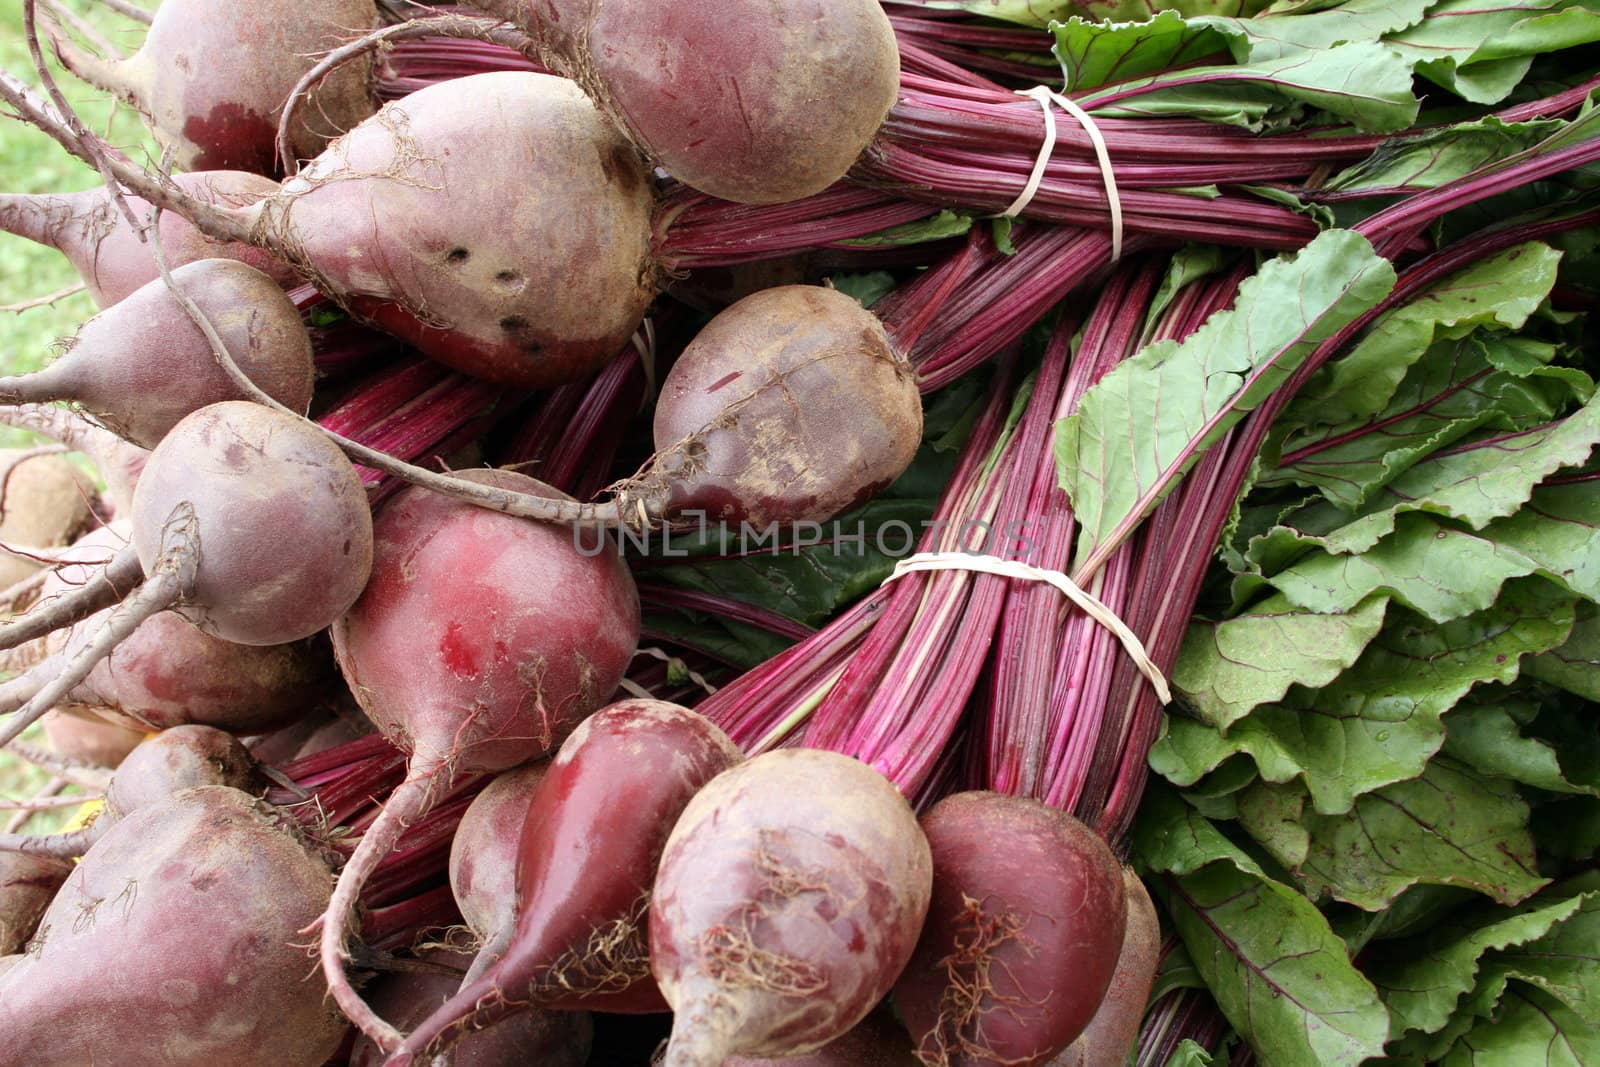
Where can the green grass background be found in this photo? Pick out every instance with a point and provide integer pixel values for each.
(31, 162)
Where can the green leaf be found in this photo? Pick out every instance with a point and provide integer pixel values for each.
(1378, 722)
(867, 288)
(1489, 737)
(945, 224)
(1365, 83)
(1480, 51)
(1276, 969)
(1092, 52)
(1474, 483)
(1575, 666)
(1146, 422)
(1189, 1054)
(1564, 963)
(1422, 978)
(1448, 827)
(1042, 13)
(1454, 390)
(1500, 291)
(1354, 20)
(1560, 530)
(1227, 668)
(1531, 1028)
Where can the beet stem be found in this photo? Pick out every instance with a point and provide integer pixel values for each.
(66, 768)
(65, 846)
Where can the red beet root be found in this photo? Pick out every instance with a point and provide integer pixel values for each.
(1022, 936)
(594, 831)
(788, 900)
(1114, 1030)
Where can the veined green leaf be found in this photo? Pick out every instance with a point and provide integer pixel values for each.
(1378, 722)
(1276, 969)
(1225, 669)
(1575, 666)
(1482, 50)
(1490, 737)
(1272, 36)
(1530, 1028)
(1042, 13)
(1145, 423)
(1093, 53)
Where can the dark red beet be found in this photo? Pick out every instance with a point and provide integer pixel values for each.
(1022, 936)
(790, 405)
(483, 859)
(878, 1041)
(142, 365)
(1114, 1030)
(594, 831)
(542, 1038)
(788, 899)
(109, 255)
(174, 944)
(479, 643)
(212, 78)
(744, 100)
(27, 885)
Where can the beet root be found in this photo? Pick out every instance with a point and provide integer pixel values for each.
(1022, 936)
(479, 643)
(79, 732)
(620, 782)
(790, 405)
(540, 281)
(788, 899)
(108, 253)
(27, 885)
(216, 104)
(46, 505)
(247, 475)
(877, 1041)
(173, 944)
(141, 366)
(545, 1038)
(483, 859)
(739, 100)
(1114, 1030)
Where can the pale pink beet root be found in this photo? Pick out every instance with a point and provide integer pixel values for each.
(483, 859)
(174, 944)
(740, 100)
(47, 503)
(165, 763)
(79, 732)
(27, 885)
(587, 854)
(480, 642)
(212, 78)
(1114, 1030)
(141, 366)
(1022, 935)
(545, 1038)
(790, 405)
(877, 1041)
(787, 902)
(246, 475)
(106, 251)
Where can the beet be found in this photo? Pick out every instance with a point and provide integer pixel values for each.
(788, 899)
(545, 1038)
(142, 365)
(46, 503)
(1022, 935)
(483, 860)
(756, 101)
(212, 78)
(78, 732)
(27, 885)
(594, 831)
(110, 256)
(479, 643)
(790, 405)
(207, 517)
(877, 1041)
(174, 944)
(158, 767)
(1114, 1030)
